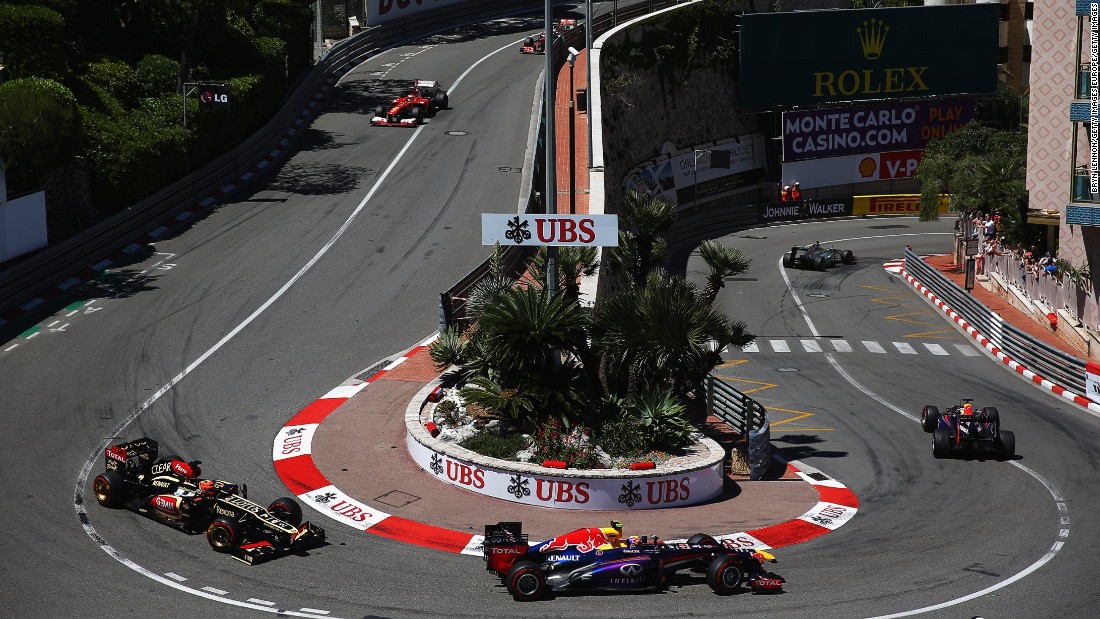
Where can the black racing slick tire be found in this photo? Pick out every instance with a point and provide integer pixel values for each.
(109, 489)
(380, 110)
(993, 415)
(941, 443)
(287, 510)
(441, 100)
(1006, 440)
(701, 538)
(725, 574)
(526, 582)
(223, 534)
(416, 113)
(788, 260)
(929, 418)
(819, 264)
(848, 257)
(529, 42)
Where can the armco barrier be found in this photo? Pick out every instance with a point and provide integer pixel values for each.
(745, 416)
(21, 280)
(1050, 363)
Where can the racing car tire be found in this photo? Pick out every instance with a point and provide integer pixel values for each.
(526, 582)
(1006, 443)
(993, 415)
(109, 489)
(223, 534)
(286, 509)
(380, 110)
(441, 100)
(848, 257)
(941, 443)
(725, 574)
(819, 263)
(788, 260)
(701, 538)
(529, 42)
(416, 113)
(929, 417)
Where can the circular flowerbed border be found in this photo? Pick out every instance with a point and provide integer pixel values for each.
(684, 480)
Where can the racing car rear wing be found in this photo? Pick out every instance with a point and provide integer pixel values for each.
(138, 453)
(504, 543)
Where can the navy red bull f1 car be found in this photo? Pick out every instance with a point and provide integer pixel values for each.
(169, 490)
(965, 430)
(599, 559)
(424, 98)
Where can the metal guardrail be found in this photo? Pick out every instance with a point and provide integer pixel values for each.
(54, 264)
(746, 416)
(1056, 366)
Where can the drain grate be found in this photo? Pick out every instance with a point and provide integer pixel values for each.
(818, 476)
(365, 374)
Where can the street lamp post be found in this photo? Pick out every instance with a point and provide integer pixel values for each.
(551, 199)
(695, 179)
(588, 74)
(572, 135)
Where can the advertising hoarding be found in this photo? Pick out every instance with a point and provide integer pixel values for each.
(546, 230)
(382, 11)
(803, 209)
(852, 169)
(819, 57)
(871, 128)
(677, 178)
(896, 204)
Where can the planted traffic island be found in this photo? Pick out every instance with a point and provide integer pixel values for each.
(695, 475)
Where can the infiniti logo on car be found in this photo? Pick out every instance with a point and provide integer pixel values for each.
(631, 569)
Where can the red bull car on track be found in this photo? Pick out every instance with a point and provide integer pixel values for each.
(170, 491)
(424, 98)
(963, 429)
(599, 559)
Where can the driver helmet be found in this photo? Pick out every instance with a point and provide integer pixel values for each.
(968, 409)
(615, 533)
(207, 488)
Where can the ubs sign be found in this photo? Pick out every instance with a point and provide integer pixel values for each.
(865, 54)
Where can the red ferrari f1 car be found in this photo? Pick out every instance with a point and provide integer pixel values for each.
(600, 559)
(170, 491)
(424, 98)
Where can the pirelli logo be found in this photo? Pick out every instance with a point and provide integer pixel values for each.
(899, 204)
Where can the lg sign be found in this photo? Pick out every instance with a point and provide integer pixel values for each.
(214, 97)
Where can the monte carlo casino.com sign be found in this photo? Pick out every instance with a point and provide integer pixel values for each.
(820, 57)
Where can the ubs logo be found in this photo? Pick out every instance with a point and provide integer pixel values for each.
(631, 569)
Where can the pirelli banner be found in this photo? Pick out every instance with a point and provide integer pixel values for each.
(819, 57)
(897, 204)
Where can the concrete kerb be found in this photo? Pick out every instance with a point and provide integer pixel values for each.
(994, 350)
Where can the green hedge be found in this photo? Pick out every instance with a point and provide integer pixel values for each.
(293, 23)
(116, 78)
(157, 75)
(33, 41)
(253, 99)
(39, 124)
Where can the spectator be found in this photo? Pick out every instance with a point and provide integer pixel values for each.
(796, 193)
(990, 228)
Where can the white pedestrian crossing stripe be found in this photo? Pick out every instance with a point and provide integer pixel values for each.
(816, 345)
(874, 346)
(936, 349)
(967, 350)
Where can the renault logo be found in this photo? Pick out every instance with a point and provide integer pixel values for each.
(631, 569)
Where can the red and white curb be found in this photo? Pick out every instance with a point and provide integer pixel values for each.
(293, 458)
(997, 352)
(894, 266)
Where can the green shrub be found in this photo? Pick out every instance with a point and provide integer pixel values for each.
(622, 438)
(490, 443)
(449, 414)
(33, 41)
(662, 420)
(291, 22)
(551, 442)
(39, 124)
(116, 77)
(157, 75)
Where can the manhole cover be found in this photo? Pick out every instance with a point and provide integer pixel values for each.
(786, 369)
(456, 133)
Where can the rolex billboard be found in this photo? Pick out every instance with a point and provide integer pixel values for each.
(818, 57)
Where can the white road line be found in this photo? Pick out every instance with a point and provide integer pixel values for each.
(967, 350)
(936, 349)
(904, 348)
(1054, 492)
(35, 334)
(811, 345)
(11, 347)
(315, 611)
(215, 591)
(873, 346)
(779, 345)
(259, 601)
(753, 346)
(71, 313)
(52, 323)
(175, 576)
(842, 346)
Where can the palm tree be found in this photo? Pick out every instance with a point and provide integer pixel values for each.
(574, 262)
(642, 217)
(999, 180)
(658, 337)
(723, 262)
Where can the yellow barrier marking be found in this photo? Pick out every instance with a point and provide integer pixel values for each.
(938, 330)
(798, 415)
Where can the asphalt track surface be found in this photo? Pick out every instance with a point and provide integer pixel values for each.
(928, 532)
